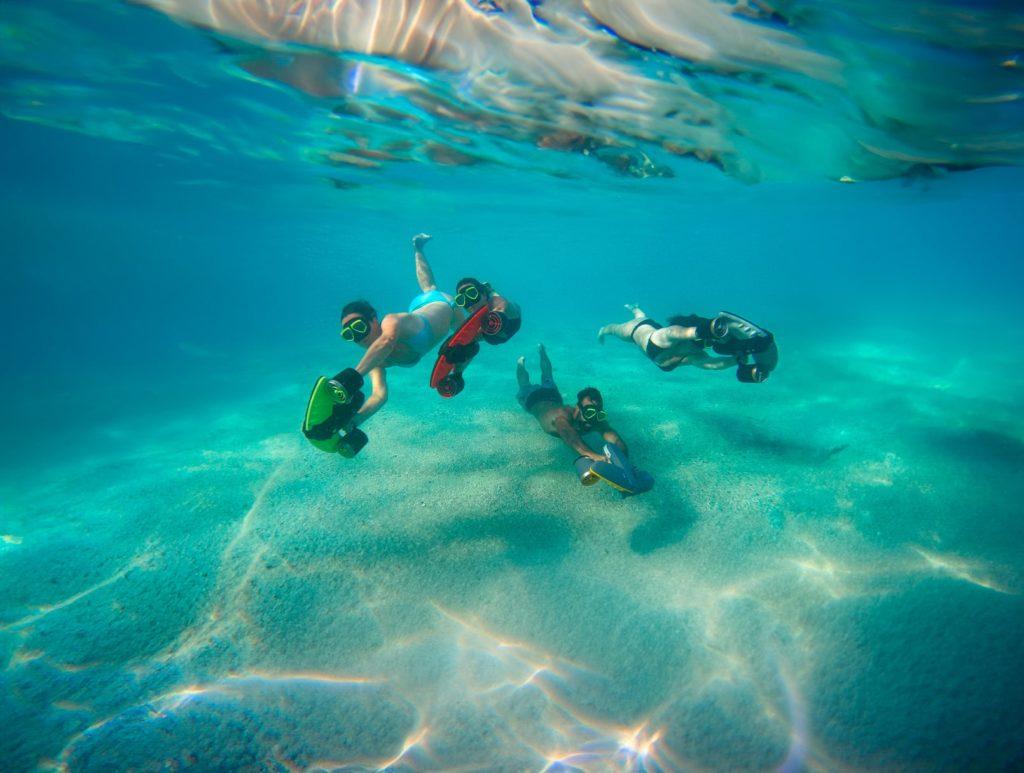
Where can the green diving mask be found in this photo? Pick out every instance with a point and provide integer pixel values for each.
(592, 414)
(470, 295)
(356, 330)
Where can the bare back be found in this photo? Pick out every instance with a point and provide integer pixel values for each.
(548, 412)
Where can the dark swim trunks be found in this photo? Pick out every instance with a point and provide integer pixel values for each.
(545, 391)
(654, 352)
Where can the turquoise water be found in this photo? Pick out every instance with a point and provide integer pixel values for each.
(827, 574)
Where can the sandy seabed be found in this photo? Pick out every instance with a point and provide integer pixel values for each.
(826, 575)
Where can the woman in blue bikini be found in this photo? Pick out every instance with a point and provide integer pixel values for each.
(399, 339)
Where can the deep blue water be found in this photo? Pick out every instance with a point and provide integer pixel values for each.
(827, 574)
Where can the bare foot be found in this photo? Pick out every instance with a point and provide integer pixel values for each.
(521, 362)
(600, 335)
(419, 240)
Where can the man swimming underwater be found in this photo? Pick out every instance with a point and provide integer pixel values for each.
(544, 402)
(684, 340)
(398, 339)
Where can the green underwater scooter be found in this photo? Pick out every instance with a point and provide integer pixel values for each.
(328, 412)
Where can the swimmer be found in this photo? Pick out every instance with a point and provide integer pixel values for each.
(504, 318)
(397, 339)
(544, 402)
(489, 316)
(681, 342)
(745, 346)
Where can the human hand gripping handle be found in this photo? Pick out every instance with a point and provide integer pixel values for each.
(347, 386)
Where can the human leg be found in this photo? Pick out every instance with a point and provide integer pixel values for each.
(622, 331)
(545, 364)
(528, 393)
(424, 274)
(522, 375)
(638, 313)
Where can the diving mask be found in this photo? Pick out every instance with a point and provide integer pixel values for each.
(356, 330)
(469, 295)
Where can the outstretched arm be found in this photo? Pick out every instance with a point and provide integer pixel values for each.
(379, 381)
(424, 274)
(379, 350)
(706, 362)
(501, 303)
(572, 439)
(611, 436)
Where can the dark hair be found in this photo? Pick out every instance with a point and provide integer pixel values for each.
(468, 280)
(359, 307)
(592, 393)
(684, 320)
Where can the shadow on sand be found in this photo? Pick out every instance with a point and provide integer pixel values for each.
(749, 436)
(528, 538)
(669, 524)
(981, 446)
